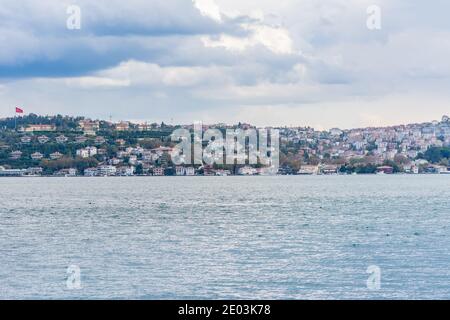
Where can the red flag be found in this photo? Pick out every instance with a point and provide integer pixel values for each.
(18, 110)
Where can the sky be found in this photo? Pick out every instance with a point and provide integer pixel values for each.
(266, 62)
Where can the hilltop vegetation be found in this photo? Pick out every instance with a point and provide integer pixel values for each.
(112, 141)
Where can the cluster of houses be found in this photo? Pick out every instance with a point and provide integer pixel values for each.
(151, 162)
(91, 127)
(83, 153)
(20, 172)
(42, 139)
(415, 167)
(381, 144)
(387, 143)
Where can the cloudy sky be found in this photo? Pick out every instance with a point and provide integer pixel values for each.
(267, 62)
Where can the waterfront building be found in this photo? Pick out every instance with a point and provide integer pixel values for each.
(308, 170)
(126, 171)
(329, 169)
(90, 172)
(106, 170)
(385, 170)
(34, 171)
(12, 172)
(247, 171)
(208, 170)
(158, 171)
(71, 172)
(222, 172)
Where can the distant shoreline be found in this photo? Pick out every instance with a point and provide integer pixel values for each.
(218, 176)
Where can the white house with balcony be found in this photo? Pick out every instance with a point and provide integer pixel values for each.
(37, 156)
(56, 155)
(43, 139)
(61, 139)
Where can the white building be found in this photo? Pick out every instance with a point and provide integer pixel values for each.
(61, 139)
(247, 171)
(71, 172)
(34, 171)
(126, 171)
(106, 170)
(90, 172)
(43, 139)
(83, 153)
(56, 156)
(12, 172)
(37, 156)
(25, 139)
(87, 152)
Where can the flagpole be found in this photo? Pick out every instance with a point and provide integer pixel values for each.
(15, 122)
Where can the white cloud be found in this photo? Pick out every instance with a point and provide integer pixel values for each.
(276, 39)
(209, 8)
(142, 74)
(95, 82)
(171, 58)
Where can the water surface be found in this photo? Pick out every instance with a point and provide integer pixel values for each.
(225, 237)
